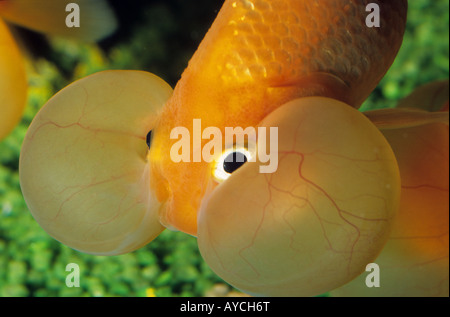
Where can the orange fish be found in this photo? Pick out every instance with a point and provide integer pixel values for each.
(46, 16)
(296, 69)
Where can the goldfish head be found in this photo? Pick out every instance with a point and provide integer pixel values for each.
(254, 59)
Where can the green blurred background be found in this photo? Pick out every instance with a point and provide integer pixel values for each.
(160, 37)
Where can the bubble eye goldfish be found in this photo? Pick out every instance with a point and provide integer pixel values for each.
(48, 17)
(308, 227)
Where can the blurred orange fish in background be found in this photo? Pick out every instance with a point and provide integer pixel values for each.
(48, 17)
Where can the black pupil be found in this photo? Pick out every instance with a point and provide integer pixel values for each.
(233, 161)
(149, 138)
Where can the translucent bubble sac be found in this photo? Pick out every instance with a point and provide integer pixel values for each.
(314, 223)
(83, 166)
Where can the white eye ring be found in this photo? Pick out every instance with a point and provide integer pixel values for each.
(220, 173)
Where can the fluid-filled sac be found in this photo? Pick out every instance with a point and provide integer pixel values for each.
(83, 165)
(414, 261)
(317, 221)
(340, 187)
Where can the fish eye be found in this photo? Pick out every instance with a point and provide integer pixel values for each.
(230, 161)
(148, 139)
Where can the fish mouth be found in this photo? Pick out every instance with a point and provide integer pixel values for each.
(177, 217)
(179, 202)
